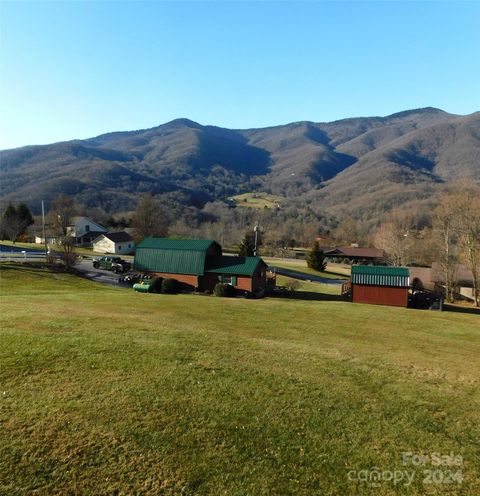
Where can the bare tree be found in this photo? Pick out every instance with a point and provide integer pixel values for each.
(456, 224)
(347, 232)
(396, 237)
(61, 217)
(425, 248)
(61, 214)
(149, 218)
(465, 201)
(444, 229)
(67, 250)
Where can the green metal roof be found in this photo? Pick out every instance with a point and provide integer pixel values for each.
(378, 275)
(380, 270)
(244, 266)
(173, 256)
(176, 244)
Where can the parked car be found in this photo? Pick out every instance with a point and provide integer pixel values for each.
(130, 279)
(426, 300)
(115, 264)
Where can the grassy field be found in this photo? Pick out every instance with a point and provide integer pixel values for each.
(257, 200)
(107, 391)
(333, 271)
(311, 287)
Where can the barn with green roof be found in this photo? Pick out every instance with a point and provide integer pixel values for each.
(199, 264)
(380, 285)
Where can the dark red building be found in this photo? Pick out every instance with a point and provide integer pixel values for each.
(380, 285)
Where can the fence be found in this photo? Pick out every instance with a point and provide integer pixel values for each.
(16, 256)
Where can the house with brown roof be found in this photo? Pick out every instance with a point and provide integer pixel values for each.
(353, 255)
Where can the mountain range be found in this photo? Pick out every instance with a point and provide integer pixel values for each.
(359, 166)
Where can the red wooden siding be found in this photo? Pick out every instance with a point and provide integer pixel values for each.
(380, 295)
(209, 280)
(244, 283)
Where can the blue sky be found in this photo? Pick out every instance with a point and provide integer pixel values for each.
(78, 69)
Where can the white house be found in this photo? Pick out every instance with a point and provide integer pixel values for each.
(51, 238)
(118, 243)
(85, 230)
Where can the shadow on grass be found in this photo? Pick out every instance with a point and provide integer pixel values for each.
(24, 267)
(461, 309)
(338, 275)
(40, 269)
(307, 295)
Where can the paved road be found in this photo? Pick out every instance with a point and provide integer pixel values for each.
(19, 249)
(9, 253)
(98, 275)
(19, 254)
(305, 277)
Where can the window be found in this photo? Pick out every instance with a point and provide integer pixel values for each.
(228, 279)
(119, 247)
(87, 227)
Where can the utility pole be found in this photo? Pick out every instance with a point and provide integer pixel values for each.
(255, 230)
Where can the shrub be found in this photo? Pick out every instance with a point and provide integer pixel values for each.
(224, 290)
(292, 286)
(170, 286)
(156, 285)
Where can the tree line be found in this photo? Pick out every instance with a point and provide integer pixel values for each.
(450, 237)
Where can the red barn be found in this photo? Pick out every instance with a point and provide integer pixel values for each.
(199, 264)
(380, 285)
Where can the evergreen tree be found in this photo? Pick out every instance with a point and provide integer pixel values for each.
(316, 258)
(247, 246)
(15, 221)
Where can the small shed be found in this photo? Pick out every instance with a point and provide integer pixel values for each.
(119, 243)
(380, 285)
(244, 273)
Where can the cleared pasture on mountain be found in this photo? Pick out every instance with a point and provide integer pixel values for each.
(257, 200)
(107, 391)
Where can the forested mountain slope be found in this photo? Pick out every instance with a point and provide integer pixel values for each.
(360, 165)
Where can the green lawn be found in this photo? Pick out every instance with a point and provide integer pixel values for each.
(108, 391)
(333, 271)
(310, 287)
